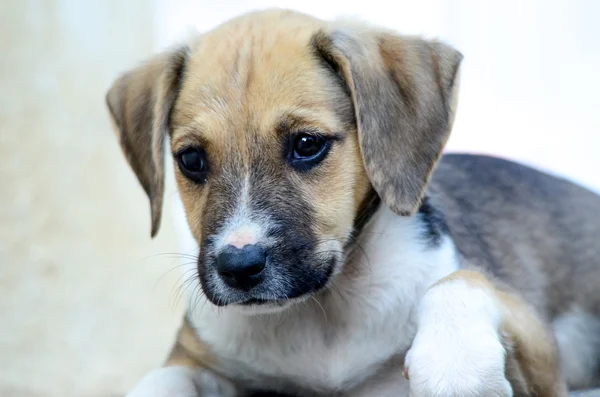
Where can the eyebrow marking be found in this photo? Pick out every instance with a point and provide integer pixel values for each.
(304, 120)
(189, 138)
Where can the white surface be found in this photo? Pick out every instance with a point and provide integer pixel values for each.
(87, 303)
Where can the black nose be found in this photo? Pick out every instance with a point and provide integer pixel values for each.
(241, 268)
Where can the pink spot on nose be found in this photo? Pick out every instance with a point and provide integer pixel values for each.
(241, 237)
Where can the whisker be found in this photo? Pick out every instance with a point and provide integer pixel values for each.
(173, 255)
(181, 289)
(364, 252)
(172, 269)
(200, 297)
(321, 306)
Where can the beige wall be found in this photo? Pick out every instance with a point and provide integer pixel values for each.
(84, 310)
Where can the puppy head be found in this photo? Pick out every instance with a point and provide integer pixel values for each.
(282, 127)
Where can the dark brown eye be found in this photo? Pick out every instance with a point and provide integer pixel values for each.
(307, 146)
(192, 164)
(306, 151)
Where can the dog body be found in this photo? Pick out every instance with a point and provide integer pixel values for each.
(335, 250)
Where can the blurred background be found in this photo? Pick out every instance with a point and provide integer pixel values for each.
(88, 302)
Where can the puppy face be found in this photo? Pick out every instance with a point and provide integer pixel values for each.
(282, 127)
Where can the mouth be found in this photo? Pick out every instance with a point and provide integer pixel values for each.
(281, 301)
(255, 306)
(259, 301)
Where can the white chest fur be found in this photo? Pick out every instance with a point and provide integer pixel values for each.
(341, 336)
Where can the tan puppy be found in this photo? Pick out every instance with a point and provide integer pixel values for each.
(333, 259)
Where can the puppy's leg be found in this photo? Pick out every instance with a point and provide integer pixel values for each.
(474, 340)
(186, 372)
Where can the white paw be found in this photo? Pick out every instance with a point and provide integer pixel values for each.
(178, 381)
(457, 351)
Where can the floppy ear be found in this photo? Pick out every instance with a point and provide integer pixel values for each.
(140, 103)
(404, 91)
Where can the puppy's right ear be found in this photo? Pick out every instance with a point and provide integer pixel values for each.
(140, 103)
(404, 91)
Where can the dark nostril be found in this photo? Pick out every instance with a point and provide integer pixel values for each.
(240, 267)
(226, 274)
(255, 268)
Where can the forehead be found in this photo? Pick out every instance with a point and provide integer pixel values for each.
(251, 73)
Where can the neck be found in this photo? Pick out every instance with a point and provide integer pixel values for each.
(391, 263)
(367, 209)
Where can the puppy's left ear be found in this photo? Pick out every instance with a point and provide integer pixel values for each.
(404, 91)
(140, 103)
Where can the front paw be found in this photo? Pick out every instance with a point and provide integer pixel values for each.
(458, 350)
(459, 370)
(178, 381)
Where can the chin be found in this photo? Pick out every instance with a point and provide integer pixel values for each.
(251, 304)
(264, 300)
